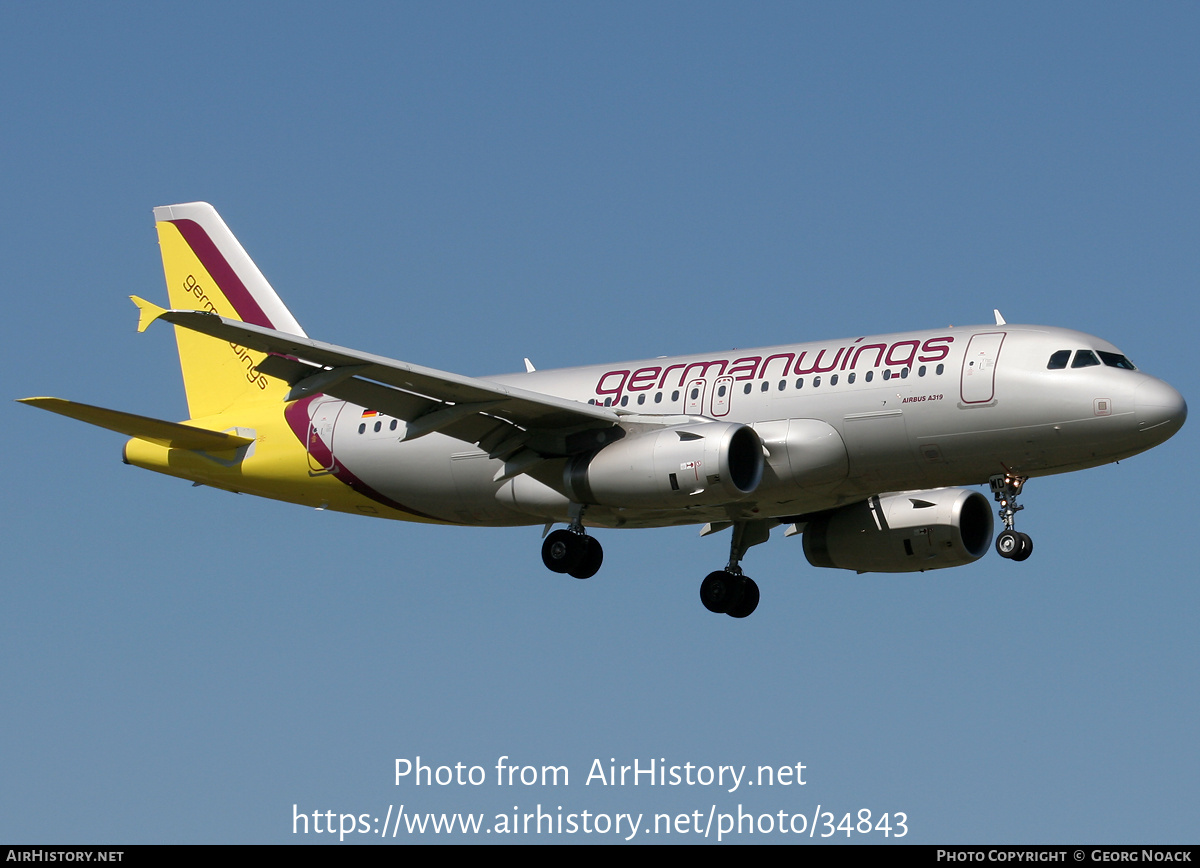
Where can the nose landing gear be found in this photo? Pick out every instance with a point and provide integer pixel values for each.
(1010, 543)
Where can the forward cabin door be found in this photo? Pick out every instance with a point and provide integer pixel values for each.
(978, 381)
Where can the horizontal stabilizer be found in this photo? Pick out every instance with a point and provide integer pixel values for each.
(169, 434)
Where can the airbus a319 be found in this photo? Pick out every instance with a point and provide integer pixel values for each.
(867, 446)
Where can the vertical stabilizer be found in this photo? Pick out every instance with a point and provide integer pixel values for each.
(207, 269)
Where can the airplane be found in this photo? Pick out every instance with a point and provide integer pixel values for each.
(866, 446)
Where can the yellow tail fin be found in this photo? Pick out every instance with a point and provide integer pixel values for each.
(207, 269)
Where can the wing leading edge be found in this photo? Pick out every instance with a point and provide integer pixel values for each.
(467, 408)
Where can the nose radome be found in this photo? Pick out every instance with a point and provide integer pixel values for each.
(1160, 408)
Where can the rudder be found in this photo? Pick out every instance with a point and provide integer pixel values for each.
(206, 268)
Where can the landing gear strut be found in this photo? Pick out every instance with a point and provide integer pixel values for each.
(729, 591)
(1010, 543)
(572, 551)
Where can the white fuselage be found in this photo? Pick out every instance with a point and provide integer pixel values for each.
(839, 422)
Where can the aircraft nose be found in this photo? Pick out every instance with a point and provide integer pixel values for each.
(1160, 408)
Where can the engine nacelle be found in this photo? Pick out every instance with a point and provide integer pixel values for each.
(902, 533)
(694, 464)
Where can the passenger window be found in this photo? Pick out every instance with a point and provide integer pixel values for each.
(765, 386)
(941, 368)
(746, 389)
(782, 385)
(642, 398)
(850, 379)
(816, 382)
(921, 371)
(887, 375)
(833, 380)
(1058, 360)
(658, 397)
(1085, 359)
(870, 376)
(800, 383)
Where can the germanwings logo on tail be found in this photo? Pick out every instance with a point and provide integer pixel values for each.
(231, 286)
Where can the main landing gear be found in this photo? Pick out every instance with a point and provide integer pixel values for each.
(572, 551)
(729, 591)
(1010, 543)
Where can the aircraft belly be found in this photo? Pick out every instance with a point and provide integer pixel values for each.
(435, 475)
(477, 498)
(449, 480)
(951, 456)
(754, 509)
(881, 455)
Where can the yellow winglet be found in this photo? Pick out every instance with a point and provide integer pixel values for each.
(148, 312)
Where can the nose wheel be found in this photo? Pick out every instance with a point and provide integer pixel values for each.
(1010, 543)
(1014, 545)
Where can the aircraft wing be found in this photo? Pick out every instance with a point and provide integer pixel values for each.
(431, 399)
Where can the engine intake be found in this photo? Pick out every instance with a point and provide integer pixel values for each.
(902, 533)
(697, 463)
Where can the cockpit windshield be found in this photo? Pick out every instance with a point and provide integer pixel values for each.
(1116, 360)
(1059, 360)
(1087, 359)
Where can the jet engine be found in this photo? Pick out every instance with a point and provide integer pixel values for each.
(902, 533)
(694, 464)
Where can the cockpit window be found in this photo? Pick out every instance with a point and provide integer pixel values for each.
(1116, 360)
(1058, 360)
(1087, 359)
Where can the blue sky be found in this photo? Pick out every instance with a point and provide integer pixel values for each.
(462, 185)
